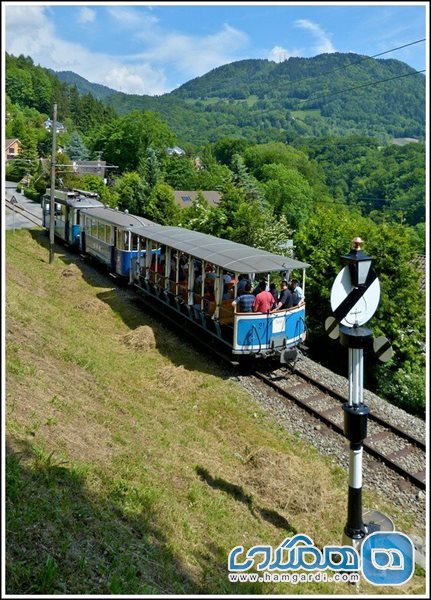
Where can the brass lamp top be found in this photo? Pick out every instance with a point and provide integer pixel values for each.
(356, 243)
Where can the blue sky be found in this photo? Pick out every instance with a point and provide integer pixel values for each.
(145, 48)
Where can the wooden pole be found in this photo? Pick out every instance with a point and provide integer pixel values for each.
(52, 202)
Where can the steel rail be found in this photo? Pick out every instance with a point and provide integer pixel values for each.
(23, 213)
(414, 478)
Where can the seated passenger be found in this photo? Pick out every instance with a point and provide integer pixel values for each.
(244, 301)
(264, 300)
(227, 295)
(242, 280)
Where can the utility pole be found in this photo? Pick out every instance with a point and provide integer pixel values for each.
(52, 202)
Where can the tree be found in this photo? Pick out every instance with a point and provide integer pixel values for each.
(161, 206)
(179, 173)
(243, 180)
(93, 183)
(27, 160)
(76, 148)
(131, 193)
(149, 168)
(124, 142)
(288, 193)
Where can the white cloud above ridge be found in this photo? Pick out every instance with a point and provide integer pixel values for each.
(323, 42)
(279, 54)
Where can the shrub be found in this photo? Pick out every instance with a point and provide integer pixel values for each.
(32, 194)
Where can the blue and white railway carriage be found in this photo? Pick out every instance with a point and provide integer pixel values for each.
(67, 217)
(188, 272)
(106, 236)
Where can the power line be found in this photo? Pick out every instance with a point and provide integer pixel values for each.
(357, 62)
(358, 87)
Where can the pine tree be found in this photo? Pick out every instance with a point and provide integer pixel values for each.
(76, 148)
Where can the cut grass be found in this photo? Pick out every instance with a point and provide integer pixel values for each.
(133, 465)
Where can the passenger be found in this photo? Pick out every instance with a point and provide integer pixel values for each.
(297, 293)
(242, 281)
(285, 300)
(245, 300)
(226, 292)
(227, 278)
(273, 290)
(264, 300)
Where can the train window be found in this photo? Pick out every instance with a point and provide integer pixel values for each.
(101, 231)
(93, 228)
(134, 241)
(126, 240)
(108, 234)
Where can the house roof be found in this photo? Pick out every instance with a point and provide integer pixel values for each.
(175, 150)
(237, 258)
(10, 142)
(184, 198)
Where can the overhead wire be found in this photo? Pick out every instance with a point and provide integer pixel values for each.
(358, 61)
(358, 87)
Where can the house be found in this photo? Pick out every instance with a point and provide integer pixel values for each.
(185, 199)
(90, 167)
(175, 151)
(60, 128)
(13, 148)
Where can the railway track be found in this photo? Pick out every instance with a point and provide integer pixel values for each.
(23, 212)
(398, 449)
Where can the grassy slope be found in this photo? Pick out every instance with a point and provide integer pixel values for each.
(133, 466)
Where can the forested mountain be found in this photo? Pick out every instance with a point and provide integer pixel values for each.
(259, 100)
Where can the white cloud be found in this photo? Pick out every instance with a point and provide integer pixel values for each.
(279, 54)
(192, 55)
(30, 32)
(86, 15)
(323, 42)
(132, 19)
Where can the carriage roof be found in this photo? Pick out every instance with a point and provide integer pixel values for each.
(116, 217)
(228, 255)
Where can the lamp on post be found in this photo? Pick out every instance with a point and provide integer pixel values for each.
(359, 264)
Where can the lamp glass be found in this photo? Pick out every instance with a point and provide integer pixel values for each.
(363, 269)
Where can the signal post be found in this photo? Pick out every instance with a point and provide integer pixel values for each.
(355, 296)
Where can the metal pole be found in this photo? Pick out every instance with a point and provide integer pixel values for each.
(355, 429)
(13, 220)
(52, 200)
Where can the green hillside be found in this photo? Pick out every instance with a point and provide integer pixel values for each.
(259, 100)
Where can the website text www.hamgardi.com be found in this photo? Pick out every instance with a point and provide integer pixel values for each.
(294, 577)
